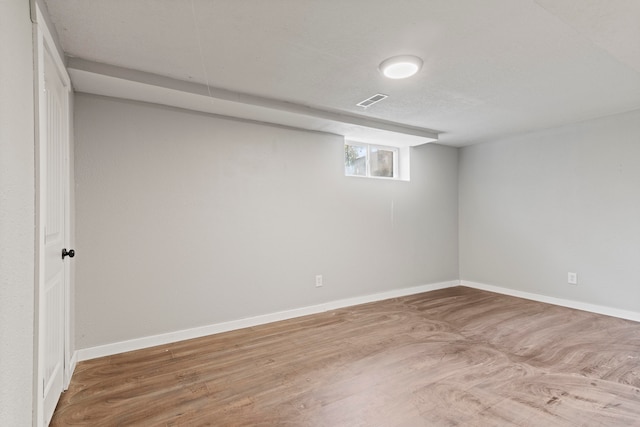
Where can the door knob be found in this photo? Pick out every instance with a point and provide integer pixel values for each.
(70, 253)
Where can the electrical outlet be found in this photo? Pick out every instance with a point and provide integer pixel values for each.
(572, 278)
(318, 280)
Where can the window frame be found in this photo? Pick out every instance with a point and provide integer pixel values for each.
(395, 166)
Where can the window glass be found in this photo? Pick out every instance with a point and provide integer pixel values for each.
(355, 160)
(381, 162)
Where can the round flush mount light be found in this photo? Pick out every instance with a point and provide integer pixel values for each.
(400, 67)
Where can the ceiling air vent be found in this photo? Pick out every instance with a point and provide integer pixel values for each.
(371, 100)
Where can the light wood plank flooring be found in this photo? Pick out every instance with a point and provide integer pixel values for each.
(456, 356)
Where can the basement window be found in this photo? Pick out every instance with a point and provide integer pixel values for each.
(373, 161)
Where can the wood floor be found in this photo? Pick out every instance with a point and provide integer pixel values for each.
(456, 356)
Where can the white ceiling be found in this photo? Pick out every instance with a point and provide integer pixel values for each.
(492, 68)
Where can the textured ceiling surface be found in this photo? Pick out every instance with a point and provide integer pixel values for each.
(492, 68)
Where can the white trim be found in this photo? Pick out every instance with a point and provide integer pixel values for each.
(68, 182)
(154, 340)
(578, 305)
(40, 219)
(72, 367)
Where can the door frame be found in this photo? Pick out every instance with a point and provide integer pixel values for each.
(44, 42)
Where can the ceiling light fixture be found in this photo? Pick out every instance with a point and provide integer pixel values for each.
(400, 67)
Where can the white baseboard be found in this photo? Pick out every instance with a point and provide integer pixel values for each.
(154, 340)
(593, 308)
(72, 367)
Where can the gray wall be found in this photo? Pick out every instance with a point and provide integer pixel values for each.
(537, 206)
(17, 215)
(185, 220)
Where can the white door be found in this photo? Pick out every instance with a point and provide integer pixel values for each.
(54, 138)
